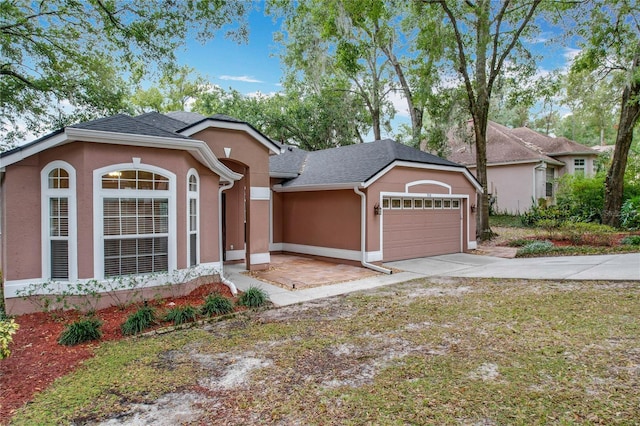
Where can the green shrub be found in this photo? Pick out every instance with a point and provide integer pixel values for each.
(216, 305)
(538, 213)
(631, 240)
(581, 198)
(81, 331)
(254, 297)
(520, 242)
(181, 314)
(536, 247)
(7, 329)
(592, 234)
(630, 213)
(138, 321)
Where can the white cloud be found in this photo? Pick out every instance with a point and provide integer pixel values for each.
(243, 78)
(399, 102)
(570, 53)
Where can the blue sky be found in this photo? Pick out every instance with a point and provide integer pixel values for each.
(255, 67)
(247, 67)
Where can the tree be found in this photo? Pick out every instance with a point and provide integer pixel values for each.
(611, 34)
(487, 34)
(60, 52)
(179, 87)
(298, 116)
(385, 49)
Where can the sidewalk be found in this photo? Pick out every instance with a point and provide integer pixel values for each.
(621, 267)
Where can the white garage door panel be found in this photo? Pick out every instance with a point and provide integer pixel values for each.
(409, 234)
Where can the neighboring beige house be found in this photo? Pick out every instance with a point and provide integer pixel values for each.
(523, 165)
(162, 195)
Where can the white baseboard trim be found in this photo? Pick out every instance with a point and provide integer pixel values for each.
(472, 245)
(260, 258)
(234, 254)
(355, 255)
(374, 256)
(276, 247)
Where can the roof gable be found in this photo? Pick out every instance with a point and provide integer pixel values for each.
(348, 165)
(503, 146)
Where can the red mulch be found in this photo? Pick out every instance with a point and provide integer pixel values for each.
(37, 359)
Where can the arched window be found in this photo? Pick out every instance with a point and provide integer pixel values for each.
(135, 209)
(59, 250)
(193, 222)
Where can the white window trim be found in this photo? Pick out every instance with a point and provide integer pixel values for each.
(190, 196)
(100, 194)
(45, 194)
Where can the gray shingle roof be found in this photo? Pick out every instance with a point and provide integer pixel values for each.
(186, 117)
(162, 121)
(503, 146)
(122, 123)
(551, 146)
(348, 164)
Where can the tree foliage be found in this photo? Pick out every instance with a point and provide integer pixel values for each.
(611, 49)
(488, 43)
(62, 60)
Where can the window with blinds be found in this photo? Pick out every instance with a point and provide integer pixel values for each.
(136, 232)
(58, 224)
(192, 203)
(136, 224)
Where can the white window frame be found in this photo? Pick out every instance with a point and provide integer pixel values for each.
(417, 201)
(435, 201)
(580, 168)
(430, 201)
(99, 194)
(46, 194)
(386, 203)
(406, 201)
(193, 195)
(399, 201)
(445, 202)
(455, 204)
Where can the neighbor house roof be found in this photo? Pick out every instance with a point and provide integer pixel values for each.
(503, 146)
(350, 165)
(550, 145)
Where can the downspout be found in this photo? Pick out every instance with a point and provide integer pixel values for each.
(363, 234)
(224, 281)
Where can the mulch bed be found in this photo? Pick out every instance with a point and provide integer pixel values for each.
(37, 359)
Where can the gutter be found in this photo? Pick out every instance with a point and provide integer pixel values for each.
(363, 234)
(224, 281)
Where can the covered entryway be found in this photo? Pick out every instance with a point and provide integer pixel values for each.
(421, 226)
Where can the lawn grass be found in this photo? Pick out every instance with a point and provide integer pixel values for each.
(505, 220)
(450, 351)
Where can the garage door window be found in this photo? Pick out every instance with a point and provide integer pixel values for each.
(386, 204)
(417, 203)
(446, 204)
(428, 203)
(455, 204)
(407, 203)
(437, 204)
(396, 203)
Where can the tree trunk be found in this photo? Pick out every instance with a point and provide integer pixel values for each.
(629, 115)
(480, 113)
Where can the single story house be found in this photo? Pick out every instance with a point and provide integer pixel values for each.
(159, 196)
(523, 165)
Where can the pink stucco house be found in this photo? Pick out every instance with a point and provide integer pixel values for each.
(523, 165)
(158, 195)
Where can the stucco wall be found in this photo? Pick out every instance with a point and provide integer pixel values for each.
(321, 219)
(396, 180)
(251, 158)
(513, 187)
(21, 188)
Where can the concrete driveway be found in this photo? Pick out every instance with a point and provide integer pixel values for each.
(603, 267)
(622, 267)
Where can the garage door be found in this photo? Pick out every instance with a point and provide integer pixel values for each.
(419, 227)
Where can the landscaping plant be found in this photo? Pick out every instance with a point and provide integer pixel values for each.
(254, 297)
(536, 247)
(216, 304)
(181, 314)
(139, 321)
(81, 331)
(7, 329)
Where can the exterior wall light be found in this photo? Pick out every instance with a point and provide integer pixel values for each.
(473, 208)
(377, 210)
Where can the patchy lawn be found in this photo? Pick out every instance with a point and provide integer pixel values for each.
(443, 351)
